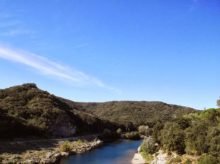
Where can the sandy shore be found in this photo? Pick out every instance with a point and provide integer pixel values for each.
(138, 159)
(161, 158)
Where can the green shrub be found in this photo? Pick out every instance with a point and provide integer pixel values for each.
(172, 138)
(208, 159)
(144, 130)
(148, 146)
(66, 146)
(131, 135)
(148, 157)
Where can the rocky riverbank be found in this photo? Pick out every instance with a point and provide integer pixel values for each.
(52, 154)
(160, 158)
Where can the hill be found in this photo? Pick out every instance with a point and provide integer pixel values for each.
(28, 111)
(137, 113)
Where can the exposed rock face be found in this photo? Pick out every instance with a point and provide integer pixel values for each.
(65, 131)
(62, 127)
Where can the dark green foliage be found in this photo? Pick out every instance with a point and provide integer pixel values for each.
(10, 127)
(196, 142)
(48, 115)
(183, 122)
(109, 135)
(172, 138)
(208, 159)
(149, 146)
(137, 113)
(156, 131)
(194, 134)
(214, 140)
(28, 111)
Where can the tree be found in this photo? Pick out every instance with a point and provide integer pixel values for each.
(148, 146)
(196, 139)
(129, 126)
(172, 138)
(218, 102)
(144, 130)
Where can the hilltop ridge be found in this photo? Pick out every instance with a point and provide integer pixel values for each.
(28, 111)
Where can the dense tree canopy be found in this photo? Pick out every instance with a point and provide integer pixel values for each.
(193, 134)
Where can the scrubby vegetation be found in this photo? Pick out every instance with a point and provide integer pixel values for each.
(68, 146)
(132, 114)
(148, 148)
(208, 159)
(65, 146)
(28, 111)
(196, 134)
(134, 135)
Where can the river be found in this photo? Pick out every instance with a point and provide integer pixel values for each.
(120, 152)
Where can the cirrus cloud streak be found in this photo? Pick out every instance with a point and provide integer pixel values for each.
(48, 67)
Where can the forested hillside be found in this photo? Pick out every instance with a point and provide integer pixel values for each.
(27, 111)
(194, 134)
(136, 112)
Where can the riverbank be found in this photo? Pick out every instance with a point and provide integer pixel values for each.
(138, 158)
(47, 151)
(162, 157)
(116, 152)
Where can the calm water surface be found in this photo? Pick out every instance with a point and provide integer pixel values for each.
(120, 152)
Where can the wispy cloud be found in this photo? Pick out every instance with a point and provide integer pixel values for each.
(16, 32)
(48, 67)
(10, 26)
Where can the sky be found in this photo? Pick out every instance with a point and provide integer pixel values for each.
(95, 50)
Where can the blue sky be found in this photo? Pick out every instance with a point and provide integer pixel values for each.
(95, 50)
